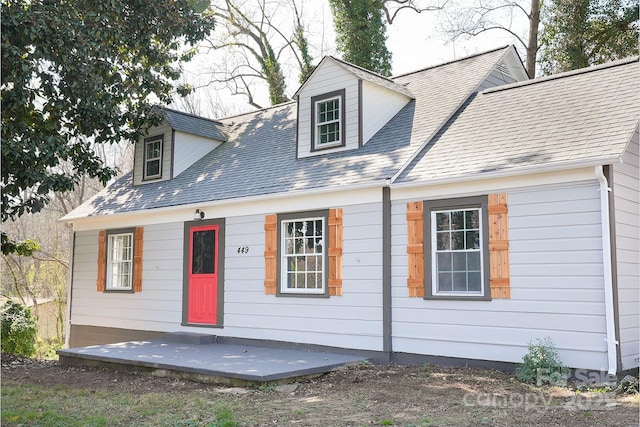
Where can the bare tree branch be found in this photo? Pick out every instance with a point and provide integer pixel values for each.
(391, 13)
(489, 15)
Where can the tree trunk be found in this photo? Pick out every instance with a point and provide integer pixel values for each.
(532, 46)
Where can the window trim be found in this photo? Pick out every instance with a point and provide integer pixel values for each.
(149, 140)
(430, 206)
(315, 100)
(301, 216)
(108, 286)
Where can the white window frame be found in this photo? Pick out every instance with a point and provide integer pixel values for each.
(337, 120)
(284, 258)
(316, 101)
(116, 265)
(147, 160)
(434, 253)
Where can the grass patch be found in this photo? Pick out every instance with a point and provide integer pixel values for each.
(34, 405)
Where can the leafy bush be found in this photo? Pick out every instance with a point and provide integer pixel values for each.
(47, 348)
(628, 385)
(542, 365)
(19, 329)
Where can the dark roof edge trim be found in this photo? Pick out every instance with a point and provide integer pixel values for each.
(566, 74)
(163, 108)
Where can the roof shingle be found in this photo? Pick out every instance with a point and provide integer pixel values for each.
(259, 157)
(587, 115)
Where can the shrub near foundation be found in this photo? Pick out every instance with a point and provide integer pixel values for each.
(542, 365)
(19, 329)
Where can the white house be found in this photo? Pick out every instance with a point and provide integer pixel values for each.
(454, 214)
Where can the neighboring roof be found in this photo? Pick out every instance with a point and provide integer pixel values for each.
(583, 116)
(259, 157)
(362, 74)
(195, 125)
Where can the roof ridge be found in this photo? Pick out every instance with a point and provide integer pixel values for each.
(389, 79)
(195, 116)
(282, 104)
(586, 70)
(451, 61)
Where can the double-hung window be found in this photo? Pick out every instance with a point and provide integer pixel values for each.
(153, 157)
(456, 237)
(119, 261)
(328, 120)
(303, 254)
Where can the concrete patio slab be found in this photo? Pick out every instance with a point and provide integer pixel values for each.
(210, 362)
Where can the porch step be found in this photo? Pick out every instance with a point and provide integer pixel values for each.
(190, 338)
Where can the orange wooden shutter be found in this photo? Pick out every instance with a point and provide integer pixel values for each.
(335, 252)
(270, 251)
(137, 259)
(498, 246)
(415, 249)
(102, 260)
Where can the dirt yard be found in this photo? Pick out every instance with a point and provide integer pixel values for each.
(353, 396)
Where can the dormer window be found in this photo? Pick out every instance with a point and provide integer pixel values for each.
(327, 124)
(153, 157)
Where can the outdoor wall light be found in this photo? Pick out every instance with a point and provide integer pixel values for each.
(198, 214)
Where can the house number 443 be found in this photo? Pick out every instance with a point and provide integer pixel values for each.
(243, 250)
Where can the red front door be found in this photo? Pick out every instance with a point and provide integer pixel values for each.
(203, 274)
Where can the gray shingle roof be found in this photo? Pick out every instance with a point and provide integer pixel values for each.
(195, 125)
(580, 116)
(374, 78)
(259, 157)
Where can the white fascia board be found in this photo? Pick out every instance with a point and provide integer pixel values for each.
(499, 181)
(299, 200)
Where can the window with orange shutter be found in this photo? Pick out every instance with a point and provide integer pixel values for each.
(120, 260)
(462, 245)
(303, 253)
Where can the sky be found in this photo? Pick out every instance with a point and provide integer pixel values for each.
(416, 41)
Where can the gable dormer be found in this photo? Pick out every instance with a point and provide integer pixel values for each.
(170, 148)
(508, 70)
(341, 106)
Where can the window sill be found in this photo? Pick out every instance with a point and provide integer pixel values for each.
(119, 291)
(323, 147)
(458, 297)
(302, 295)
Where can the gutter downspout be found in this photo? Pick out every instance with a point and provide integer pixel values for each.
(67, 325)
(612, 343)
(387, 306)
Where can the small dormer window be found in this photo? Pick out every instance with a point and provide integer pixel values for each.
(328, 120)
(153, 157)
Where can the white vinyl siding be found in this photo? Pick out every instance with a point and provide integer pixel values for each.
(189, 149)
(626, 185)
(353, 320)
(379, 105)
(556, 286)
(158, 308)
(328, 78)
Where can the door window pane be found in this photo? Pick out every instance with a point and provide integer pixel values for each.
(203, 252)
